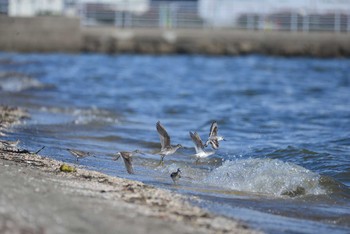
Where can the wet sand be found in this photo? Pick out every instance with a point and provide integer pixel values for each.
(37, 197)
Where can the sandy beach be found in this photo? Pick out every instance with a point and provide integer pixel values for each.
(38, 197)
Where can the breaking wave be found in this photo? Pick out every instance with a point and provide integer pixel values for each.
(15, 82)
(266, 176)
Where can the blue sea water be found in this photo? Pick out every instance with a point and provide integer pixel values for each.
(285, 164)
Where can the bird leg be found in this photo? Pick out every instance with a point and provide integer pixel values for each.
(197, 161)
(161, 162)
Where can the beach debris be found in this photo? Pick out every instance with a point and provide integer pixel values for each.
(38, 151)
(67, 168)
(11, 115)
(9, 144)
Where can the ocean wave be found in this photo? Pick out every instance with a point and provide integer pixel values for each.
(266, 176)
(94, 115)
(16, 82)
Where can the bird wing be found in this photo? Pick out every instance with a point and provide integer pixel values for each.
(198, 144)
(126, 154)
(214, 144)
(213, 129)
(128, 162)
(73, 152)
(78, 153)
(163, 135)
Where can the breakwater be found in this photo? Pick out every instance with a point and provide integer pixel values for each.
(39, 34)
(51, 34)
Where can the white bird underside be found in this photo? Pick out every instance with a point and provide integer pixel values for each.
(167, 151)
(198, 144)
(204, 154)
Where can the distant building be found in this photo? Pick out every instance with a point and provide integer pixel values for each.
(38, 7)
(117, 12)
(121, 5)
(227, 12)
(27, 8)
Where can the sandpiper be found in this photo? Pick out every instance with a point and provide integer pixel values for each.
(127, 157)
(198, 144)
(213, 138)
(176, 175)
(166, 148)
(79, 154)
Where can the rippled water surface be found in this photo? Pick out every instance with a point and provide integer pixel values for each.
(285, 164)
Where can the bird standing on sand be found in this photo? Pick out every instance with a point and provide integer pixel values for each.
(198, 144)
(175, 176)
(127, 157)
(79, 154)
(213, 138)
(166, 148)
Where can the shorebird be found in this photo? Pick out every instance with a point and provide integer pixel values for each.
(175, 176)
(166, 148)
(78, 154)
(213, 138)
(198, 144)
(9, 144)
(127, 157)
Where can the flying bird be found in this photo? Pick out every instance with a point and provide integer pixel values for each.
(127, 157)
(166, 147)
(213, 138)
(198, 144)
(79, 154)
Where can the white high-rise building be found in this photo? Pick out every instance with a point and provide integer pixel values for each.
(27, 8)
(35, 7)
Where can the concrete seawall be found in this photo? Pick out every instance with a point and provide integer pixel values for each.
(216, 42)
(61, 34)
(40, 34)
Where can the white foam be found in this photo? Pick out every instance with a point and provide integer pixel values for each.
(265, 176)
(16, 84)
(87, 116)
